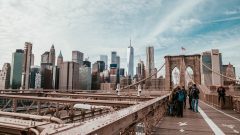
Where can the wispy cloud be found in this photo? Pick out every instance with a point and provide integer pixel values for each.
(98, 26)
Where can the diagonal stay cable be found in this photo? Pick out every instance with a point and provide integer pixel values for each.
(144, 78)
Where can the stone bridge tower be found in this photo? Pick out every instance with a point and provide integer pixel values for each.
(182, 62)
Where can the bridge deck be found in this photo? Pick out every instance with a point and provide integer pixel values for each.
(195, 124)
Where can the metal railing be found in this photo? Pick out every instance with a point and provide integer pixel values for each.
(213, 100)
(236, 103)
(123, 121)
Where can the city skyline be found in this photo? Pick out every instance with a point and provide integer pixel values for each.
(167, 26)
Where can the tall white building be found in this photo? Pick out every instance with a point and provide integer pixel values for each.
(130, 60)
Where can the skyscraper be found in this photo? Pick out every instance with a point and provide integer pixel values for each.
(16, 72)
(216, 66)
(130, 60)
(32, 60)
(26, 65)
(85, 78)
(52, 56)
(118, 61)
(34, 71)
(105, 59)
(77, 57)
(113, 57)
(69, 76)
(5, 76)
(45, 57)
(59, 59)
(140, 70)
(213, 60)
(47, 65)
(150, 66)
(49, 56)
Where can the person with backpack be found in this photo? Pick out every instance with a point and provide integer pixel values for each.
(180, 100)
(195, 97)
(221, 94)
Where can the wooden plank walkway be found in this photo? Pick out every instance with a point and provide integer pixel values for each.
(194, 123)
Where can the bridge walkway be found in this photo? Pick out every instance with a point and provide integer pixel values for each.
(208, 121)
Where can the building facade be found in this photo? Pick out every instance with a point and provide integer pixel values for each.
(26, 65)
(16, 72)
(38, 81)
(118, 62)
(85, 78)
(59, 59)
(34, 71)
(140, 70)
(69, 76)
(213, 60)
(113, 57)
(105, 59)
(77, 57)
(150, 65)
(46, 75)
(5, 76)
(52, 56)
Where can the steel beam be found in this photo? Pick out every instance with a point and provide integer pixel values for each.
(69, 100)
(115, 122)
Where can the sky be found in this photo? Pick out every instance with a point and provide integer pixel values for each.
(97, 27)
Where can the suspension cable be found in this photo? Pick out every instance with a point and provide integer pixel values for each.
(220, 73)
(144, 78)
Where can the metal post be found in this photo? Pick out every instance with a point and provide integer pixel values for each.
(38, 107)
(139, 90)
(118, 89)
(14, 105)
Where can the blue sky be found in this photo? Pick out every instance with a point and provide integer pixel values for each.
(99, 26)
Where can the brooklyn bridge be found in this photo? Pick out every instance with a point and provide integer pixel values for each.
(129, 110)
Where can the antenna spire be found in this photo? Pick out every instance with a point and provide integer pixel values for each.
(130, 42)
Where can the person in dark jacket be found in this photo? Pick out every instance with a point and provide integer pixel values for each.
(180, 96)
(195, 97)
(190, 97)
(221, 94)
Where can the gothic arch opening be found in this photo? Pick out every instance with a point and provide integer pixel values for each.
(189, 76)
(175, 77)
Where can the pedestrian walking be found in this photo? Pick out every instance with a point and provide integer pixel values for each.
(190, 97)
(195, 97)
(221, 95)
(180, 94)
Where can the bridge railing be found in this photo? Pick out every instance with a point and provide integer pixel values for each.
(212, 99)
(236, 103)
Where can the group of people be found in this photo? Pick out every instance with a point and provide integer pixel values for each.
(178, 98)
